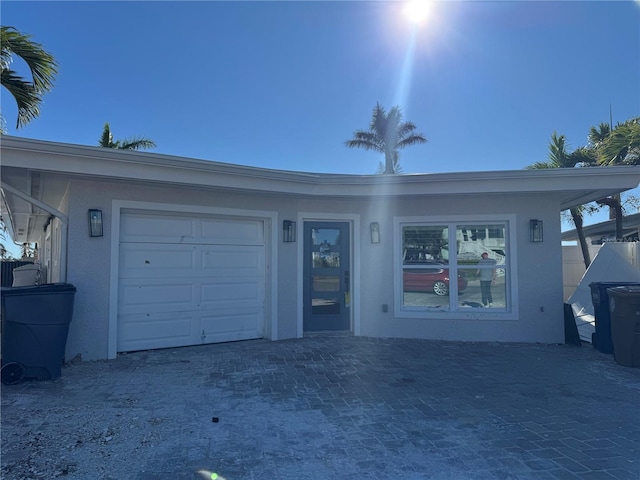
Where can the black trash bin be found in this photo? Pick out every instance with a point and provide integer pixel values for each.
(601, 338)
(35, 324)
(624, 306)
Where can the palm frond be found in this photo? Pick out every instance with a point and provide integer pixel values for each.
(539, 166)
(598, 134)
(137, 144)
(411, 140)
(42, 65)
(622, 146)
(27, 98)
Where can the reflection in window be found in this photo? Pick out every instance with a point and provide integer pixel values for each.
(473, 240)
(325, 236)
(326, 283)
(421, 244)
(439, 277)
(326, 260)
(473, 296)
(325, 306)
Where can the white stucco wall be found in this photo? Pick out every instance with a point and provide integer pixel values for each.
(538, 314)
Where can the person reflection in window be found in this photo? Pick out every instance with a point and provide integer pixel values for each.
(487, 276)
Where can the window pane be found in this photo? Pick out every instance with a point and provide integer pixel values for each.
(425, 275)
(427, 285)
(326, 259)
(325, 236)
(472, 240)
(326, 283)
(423, 243)
(484, 290)
(325, 306)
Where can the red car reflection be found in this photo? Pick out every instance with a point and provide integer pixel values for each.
(430, 277)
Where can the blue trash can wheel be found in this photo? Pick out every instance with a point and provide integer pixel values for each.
(12, 373)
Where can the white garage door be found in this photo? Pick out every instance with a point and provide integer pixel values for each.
(188, 280)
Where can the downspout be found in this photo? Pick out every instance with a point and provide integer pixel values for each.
(64, 231)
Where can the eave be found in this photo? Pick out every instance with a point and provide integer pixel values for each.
(572, 187)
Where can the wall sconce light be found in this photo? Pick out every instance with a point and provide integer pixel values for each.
(95, 223)
(535, 231)
(288, 231)
(375, 232)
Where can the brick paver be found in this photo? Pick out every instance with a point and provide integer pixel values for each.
(330, 407)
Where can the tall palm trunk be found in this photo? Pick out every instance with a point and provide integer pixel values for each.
(615, 207)
(577, 221)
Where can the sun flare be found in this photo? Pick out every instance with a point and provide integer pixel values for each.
(417, 11)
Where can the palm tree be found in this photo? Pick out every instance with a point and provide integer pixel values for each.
(622, 145)
(387, 134)
(27, 93)
(558, 157)
(139, 143)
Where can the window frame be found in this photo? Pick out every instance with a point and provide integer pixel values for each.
(453, 310)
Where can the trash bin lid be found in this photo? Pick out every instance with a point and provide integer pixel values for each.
(612, 284)
(38, 289)
(625, 290)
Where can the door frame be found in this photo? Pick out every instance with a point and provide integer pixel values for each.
(353, 220)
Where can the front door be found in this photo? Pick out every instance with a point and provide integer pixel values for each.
(327, 292)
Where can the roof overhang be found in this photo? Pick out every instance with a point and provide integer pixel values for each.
(49, 165)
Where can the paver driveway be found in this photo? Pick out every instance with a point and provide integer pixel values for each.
(334, 407)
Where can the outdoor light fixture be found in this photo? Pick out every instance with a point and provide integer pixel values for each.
(288, 231)
(375, 232)
(535, 230)
(95, 223)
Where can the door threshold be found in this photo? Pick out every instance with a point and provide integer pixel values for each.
(329, 333)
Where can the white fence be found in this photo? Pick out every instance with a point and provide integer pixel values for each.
(611, 262)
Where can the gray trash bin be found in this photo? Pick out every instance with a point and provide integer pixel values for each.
(35, 324)
(601, 338)
(624, 305)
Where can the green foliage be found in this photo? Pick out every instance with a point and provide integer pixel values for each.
(622, 145)
(136, 143)
(42, 65)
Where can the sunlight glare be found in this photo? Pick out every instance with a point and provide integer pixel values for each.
(417, 11)
(209, 475)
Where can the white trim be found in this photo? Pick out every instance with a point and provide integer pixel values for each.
(271, 238)
(571, 186)
(512, 287)
(354, 234)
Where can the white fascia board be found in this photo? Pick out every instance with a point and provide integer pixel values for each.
(573, 186)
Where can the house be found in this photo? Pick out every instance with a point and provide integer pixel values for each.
(602, 232)
(192, 251)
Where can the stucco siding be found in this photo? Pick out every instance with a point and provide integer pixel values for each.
(538, 314)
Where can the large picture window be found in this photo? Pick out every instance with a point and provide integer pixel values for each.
(454, 266)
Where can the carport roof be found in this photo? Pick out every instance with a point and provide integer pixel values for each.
(39, 168)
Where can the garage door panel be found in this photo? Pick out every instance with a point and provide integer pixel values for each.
(188, 293)
(232, 294)
(232, 232)
(232, 323)
(165, 295)
(139, 332)
(140, 260)
(157, 228)
(237, 259)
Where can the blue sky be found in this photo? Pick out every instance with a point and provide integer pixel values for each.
(283, 84)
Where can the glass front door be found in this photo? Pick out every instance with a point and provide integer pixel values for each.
(327, 292)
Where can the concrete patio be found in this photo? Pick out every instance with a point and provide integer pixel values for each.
(335, 407)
